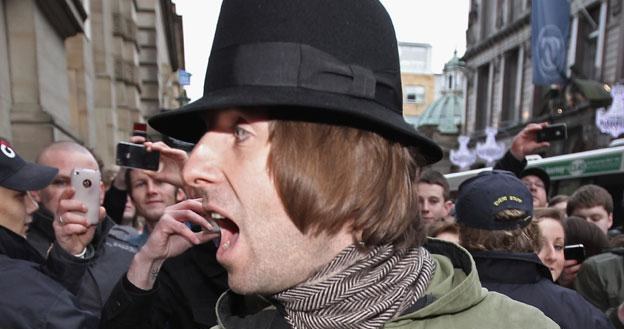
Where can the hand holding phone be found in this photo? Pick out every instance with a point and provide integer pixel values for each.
(86, 183)
(552, 132)
(575, 251)
(136, 156)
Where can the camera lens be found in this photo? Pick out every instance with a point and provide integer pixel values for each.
(86, 183)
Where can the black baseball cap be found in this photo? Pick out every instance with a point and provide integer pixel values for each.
(540, 173)
(19, 175)
(481, 197)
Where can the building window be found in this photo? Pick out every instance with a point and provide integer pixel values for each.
(587, 43)
(511, 83)
(483, 96)
(414, 94)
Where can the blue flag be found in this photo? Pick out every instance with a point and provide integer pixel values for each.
(550, 22)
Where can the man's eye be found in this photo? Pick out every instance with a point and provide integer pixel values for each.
(59, 182)
(240, 134)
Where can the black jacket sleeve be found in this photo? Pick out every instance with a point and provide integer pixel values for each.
(510, 163)
(67, 269)
(130, 307)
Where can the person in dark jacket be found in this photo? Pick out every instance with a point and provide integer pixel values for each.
(600, 280)
(31, 297)
(188, 285)
(110, 256)
(494, 211)
(185, 295)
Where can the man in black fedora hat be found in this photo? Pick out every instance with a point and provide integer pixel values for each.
(304, 161)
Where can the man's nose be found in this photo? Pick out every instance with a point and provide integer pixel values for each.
(202, 166)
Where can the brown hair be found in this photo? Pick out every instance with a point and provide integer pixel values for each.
(430, 176)
(578, 230)
(330, 176)
(590, 196)
(558, 199)
(554, 213)
(525, 239)
(443, 226)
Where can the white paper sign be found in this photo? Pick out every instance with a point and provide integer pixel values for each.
(463, 156)
(491, 150)
(611, 121)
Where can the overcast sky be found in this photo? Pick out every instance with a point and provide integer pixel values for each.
(441, 23)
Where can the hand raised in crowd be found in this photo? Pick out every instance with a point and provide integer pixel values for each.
(170, 238)
(71, 228)
(568, 275)
(525, 142)
(120, 178)
(171, 163)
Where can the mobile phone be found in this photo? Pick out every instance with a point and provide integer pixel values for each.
(86, 183)
(553, 132)
(136, 156)
(139, 129)
(575, 251)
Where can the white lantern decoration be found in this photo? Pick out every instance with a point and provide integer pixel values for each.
(611, 121)
(491, 150)
(463, 156)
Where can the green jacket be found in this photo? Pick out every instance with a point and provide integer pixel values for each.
(455, 299)
(460, 301)
(601, 281)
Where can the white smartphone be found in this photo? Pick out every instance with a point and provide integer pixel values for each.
(86, 183)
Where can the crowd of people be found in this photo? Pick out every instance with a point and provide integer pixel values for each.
(306, 202)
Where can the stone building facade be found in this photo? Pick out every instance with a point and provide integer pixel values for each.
(417, 79)
(500, 92)
(85, 70)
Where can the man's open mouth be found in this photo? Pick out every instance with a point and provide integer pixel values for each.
(229, 230)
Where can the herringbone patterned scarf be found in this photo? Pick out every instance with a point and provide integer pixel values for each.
(359, 290)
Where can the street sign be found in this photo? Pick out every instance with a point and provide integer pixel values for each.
(581, 167)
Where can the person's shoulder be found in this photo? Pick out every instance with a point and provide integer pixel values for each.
(119, 238)
(606, 258)
(504, 309)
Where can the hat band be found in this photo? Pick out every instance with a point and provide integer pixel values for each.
(284, 64)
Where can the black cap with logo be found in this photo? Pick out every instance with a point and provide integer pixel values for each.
(20, 175)
(481, 197)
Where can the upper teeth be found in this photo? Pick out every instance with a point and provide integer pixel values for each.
(214, 215)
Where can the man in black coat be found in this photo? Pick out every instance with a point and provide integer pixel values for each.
(31, 297)
(188, 285)
(108, 255)
(494, 211)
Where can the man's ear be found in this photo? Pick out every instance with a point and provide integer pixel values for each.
(180, 195)
(36, 195)
(448, 205)
(102, 192)
(610, 220)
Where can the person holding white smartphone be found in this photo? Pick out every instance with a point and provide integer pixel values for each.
(62, 219)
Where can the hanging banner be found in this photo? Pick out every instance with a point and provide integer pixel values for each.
(611, 121)
(550, 20)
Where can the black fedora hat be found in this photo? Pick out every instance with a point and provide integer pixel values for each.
(326, 60)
